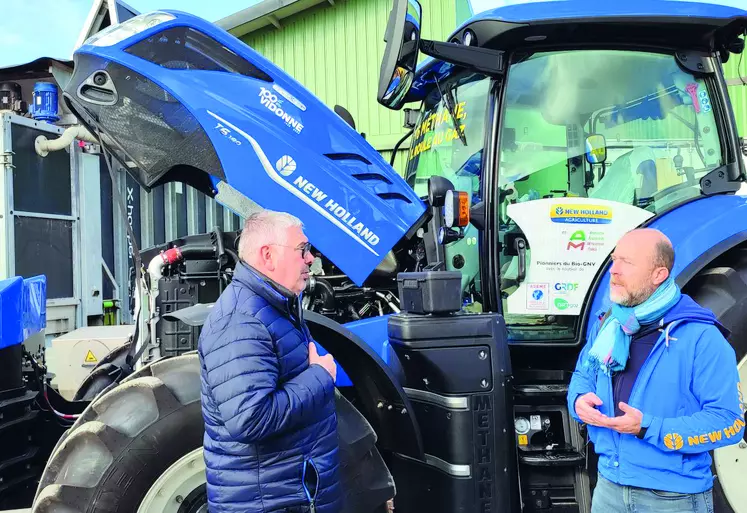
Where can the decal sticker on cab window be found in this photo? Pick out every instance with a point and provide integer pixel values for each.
(568, 241)
(538, 296)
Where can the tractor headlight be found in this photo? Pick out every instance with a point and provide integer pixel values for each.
(116, 33)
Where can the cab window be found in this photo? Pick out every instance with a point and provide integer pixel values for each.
(448, 141)
(593, 143)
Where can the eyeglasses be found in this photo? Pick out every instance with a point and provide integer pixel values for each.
(304, 248)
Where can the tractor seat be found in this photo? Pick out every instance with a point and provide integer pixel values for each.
(621, 179)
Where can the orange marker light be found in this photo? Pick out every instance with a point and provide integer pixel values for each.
(456, 209)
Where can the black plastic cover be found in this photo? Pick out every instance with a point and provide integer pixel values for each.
(430, 291)
(458, 377)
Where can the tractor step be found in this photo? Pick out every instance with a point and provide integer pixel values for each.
(535, 390)
(553, 459)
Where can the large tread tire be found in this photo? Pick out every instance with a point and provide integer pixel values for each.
(722, 288)
(125, 440)
(133, 433)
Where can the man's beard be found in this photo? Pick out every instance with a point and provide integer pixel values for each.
(635, 298)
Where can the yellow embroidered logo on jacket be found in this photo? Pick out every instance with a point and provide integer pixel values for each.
(673, 441)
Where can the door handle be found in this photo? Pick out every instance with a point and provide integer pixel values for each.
(521, 250)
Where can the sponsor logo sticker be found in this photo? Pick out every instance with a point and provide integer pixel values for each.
(538, 296)
(580, 214)
(565, 288)
(271, 102)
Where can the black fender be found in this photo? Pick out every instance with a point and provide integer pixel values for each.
(381, 399)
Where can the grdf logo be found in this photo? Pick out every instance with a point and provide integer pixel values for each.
(673, 441)
(285, 165)
(566, 287)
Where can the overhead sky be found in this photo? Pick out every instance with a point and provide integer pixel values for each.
(49, 28)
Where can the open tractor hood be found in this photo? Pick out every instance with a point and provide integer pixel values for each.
(175, 98)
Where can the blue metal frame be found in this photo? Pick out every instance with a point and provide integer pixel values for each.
(577, 11)
(530, 12)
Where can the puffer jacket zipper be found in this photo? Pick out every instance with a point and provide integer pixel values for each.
(312, 500)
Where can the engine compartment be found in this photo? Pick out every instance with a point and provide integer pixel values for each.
(204, 267)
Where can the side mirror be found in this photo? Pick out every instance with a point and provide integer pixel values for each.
(596, 149)
(401, 53)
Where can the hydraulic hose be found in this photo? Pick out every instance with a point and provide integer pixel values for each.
(326, 291)
(43, 146)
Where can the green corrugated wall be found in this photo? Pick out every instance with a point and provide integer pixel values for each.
(335, 51)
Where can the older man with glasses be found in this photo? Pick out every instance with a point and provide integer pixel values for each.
(268, 398)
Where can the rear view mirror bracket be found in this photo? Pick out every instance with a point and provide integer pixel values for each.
(484, 60)
(403, 44)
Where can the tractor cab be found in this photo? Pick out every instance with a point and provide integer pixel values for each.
(567, 124)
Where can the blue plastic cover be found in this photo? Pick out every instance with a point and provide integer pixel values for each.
(528, 12)
(277, 143)
(23, 309)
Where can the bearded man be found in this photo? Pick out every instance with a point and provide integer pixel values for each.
(657, 385)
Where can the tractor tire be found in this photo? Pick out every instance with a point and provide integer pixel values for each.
(722, 288)
(136, 448)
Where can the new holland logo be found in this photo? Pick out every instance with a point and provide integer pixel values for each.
(307, 192)
(285, 165)
(673, 441)
(581, 214)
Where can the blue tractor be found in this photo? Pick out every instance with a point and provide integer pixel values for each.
(455, 300)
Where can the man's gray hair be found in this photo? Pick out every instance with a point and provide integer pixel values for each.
(265, 227)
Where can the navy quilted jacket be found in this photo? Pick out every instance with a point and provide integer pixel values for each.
(270, 424)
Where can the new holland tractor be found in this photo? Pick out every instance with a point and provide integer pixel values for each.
(455, 300)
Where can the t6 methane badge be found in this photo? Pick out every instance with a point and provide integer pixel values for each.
(569, 240)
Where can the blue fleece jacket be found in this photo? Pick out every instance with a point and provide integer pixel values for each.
(688, 391)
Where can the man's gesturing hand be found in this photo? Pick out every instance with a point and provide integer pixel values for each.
(587, 411)
(325, 361)
(629, 423)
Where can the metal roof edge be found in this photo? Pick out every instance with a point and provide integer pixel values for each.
(267, 12)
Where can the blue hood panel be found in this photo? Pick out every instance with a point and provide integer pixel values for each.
(258, 131)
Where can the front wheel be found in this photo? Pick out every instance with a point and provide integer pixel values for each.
(136, 448)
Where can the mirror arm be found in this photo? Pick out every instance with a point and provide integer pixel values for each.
(479, 59)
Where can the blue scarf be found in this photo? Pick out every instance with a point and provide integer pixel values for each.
(610, 350)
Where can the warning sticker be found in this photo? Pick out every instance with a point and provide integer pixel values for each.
(523, 440)
(536, 422)
(90, 357)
